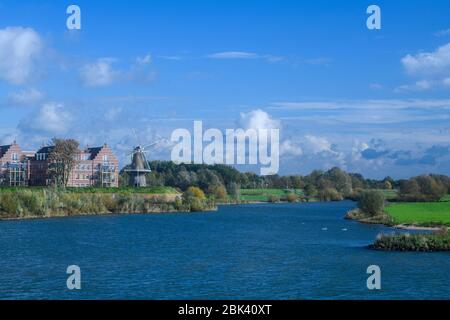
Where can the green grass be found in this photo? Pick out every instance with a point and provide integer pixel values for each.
(421, 213)
(264, 194)
(148, 190)
(389, 194)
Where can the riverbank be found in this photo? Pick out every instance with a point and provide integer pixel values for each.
(436, 238)
(431, 242)
(48, 203)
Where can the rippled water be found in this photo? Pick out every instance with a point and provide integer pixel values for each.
(298, 251)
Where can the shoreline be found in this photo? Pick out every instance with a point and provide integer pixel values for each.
(384, 221)
(146, 213)
(416, 228)
(103, 214)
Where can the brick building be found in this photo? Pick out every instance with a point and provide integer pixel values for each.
(97, 167)
(14, 165)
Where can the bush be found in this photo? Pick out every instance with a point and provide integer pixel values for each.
(371, 202)
(438, 241)
(329, 194)
(422, 188)
(219, 192)
(33, 203)
(195, 192)
(273, 198)
(292, 197)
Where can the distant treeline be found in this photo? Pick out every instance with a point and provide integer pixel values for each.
(332, 185)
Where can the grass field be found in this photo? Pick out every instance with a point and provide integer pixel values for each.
(148, 190)
(264, 194)
(389, 194)
(428, 213)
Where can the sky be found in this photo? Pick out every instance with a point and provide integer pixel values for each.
(376, 102)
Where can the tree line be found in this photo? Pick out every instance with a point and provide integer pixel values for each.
(331, 185)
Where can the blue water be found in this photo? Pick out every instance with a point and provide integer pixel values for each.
(240, 252)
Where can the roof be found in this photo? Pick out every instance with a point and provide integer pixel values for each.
(47, 149)
(4, 149)
(94, 151)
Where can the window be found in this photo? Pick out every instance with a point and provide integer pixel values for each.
(105, 158)
(14, 157)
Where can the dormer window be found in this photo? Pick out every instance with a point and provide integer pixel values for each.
(40, 156)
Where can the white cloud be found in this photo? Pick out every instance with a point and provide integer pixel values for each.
(258, 119)
(387, 104)
(174, 58)
(19, 50)
(99, 74)
(233, 55)
(51, 119)
(442, 33)
(421, 85)
(288, 147)
(428, 62)
(357, 148)
(141, 71)
(321, 150)
(318, 144)
(102, 73)
(145, 60)
(25, 97)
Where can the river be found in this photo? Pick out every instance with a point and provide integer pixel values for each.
(281, 251)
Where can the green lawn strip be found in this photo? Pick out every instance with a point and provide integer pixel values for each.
(148, 190)
(389, 194)
(423, 213)
(264, 194)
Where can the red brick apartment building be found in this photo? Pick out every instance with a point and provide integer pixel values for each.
(97, 167)
(14, 165)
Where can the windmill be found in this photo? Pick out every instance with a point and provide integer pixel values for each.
(139, 166)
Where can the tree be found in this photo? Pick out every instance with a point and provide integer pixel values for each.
(431, 188)
(62, 160)
(329, 194)
(341, 180)
(371, 202)
(387, 185)
(219, 192)
(409, 188)
(310, 191)
(422, 188)
(196, 193)
(195, 198)
(234, 190)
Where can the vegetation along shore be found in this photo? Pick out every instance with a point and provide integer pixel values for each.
(51, 202)
(419, 202)
(422, 204)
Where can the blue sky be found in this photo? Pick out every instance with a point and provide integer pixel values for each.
(370, 101)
